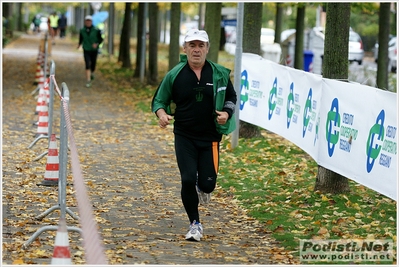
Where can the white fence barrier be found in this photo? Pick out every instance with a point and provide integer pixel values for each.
(345, 127)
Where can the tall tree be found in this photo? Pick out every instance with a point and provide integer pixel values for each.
(111, 27)
(279, 22)
(201, 16)
(7, 14)
(213, 16)
(174, 45)
(20, 17)
(251, 44)
(335, 66)
(140, 41)
(299, 36)
(124, 45)
(383, 39)
(152, 77)
(394, 18)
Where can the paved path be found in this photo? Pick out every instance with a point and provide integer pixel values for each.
(129, 168)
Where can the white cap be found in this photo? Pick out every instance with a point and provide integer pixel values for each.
(88, 17)
(195, 34)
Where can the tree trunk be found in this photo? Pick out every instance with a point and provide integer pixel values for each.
(140, 42)
(213, 16)
(335, 60)
(7, 14)
(300, 27)
(201, 16)
(20, 17)
(335, 66)
(124, 46)
(383, 39)
(174, 45)
(330, 182)
(279, 22)
(252, 28)
(394, 19)
(111, 27)
(153, 44)
(251, 44)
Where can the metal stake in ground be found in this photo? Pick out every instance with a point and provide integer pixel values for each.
(63, 159)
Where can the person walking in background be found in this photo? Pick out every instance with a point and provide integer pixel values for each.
(199, 96)
(62, 25)
(90, 38)
(53, 23)
(36, 23)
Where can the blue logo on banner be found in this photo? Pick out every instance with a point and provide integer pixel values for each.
(373, 150)
(333, 118)
(245, 88)
(306, 111)
(290, 105)
(272, 98)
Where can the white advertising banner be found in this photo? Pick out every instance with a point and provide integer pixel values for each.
(284, 101)
(359, 134)
(348, 128)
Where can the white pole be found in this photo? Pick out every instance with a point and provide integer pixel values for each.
(237, 71)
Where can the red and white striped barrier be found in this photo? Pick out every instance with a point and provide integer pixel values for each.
(62, 253)
(289, 61)
(40, 59)
(39, 73)
(42, 127)
(47, 89)
(311, 67)
(52, 173)
(41, 97)
(94, 249)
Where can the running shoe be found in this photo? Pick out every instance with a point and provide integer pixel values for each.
(88, 84)
(204, 198)
(195, 233)
(92, 76)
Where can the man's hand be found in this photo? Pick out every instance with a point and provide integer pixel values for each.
(164, 118)
(222, 117)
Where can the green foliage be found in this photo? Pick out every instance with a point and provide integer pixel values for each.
(289, 19)
(6, 40)
(365, 8)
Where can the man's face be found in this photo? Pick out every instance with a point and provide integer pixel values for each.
(88, 23)
(196, 52)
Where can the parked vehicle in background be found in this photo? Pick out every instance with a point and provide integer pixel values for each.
(266, 36)
(375, 48)
(355, 46)
(356, 52)
(392, 53)
(286, 33)
(230, 32)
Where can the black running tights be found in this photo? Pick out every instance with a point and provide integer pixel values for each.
(90, 59)
(194, 158)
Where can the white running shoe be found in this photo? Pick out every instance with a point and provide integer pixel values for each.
(204, 198)
(195, 233)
